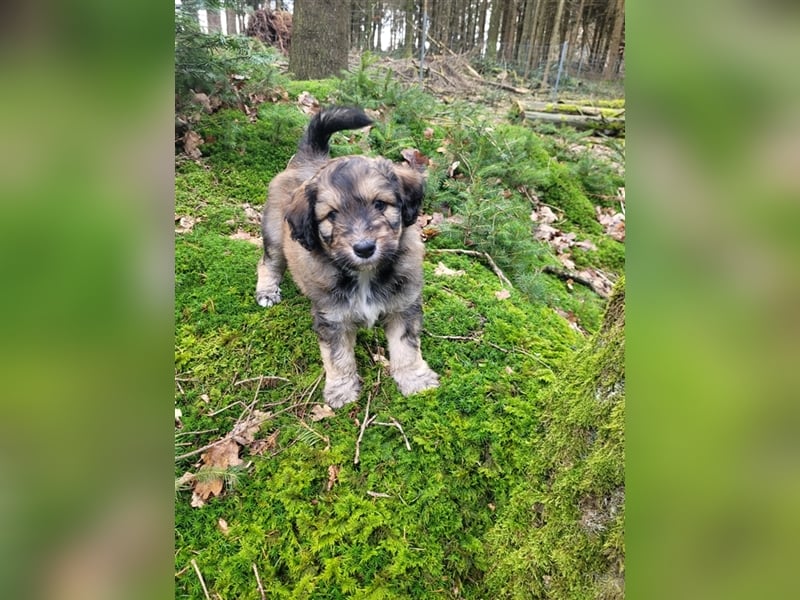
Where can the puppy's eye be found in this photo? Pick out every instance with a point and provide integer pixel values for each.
(332, 216)
(379, 205)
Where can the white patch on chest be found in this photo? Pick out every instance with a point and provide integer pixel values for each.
(362, 308)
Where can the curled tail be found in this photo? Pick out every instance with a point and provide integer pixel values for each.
(327, 122)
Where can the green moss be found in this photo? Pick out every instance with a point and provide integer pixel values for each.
(321, 89)
(561, 533)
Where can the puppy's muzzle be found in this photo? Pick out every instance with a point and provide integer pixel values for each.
(364, 248)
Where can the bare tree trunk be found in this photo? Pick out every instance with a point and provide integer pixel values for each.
(616, 38)
(230, 21)
(573, 32)
(319, 45)
(214, 20)
(508, 31)
(494, 29)
(553, 48)
(408, 42)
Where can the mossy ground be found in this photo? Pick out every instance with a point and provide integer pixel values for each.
(444, 509)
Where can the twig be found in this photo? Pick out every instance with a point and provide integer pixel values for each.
(395, 423)
(203, 449)
(258, 581)
(456, 338)
(364, 424)
(483, 255)
(261, 378)
(378, 494)
(200, 577)
(224, 408)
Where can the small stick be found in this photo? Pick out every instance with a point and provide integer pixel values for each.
(378, 494)
(361, 433)
(200, 577)
(484, 255)
(258, 581)
(394, 423)
(261, 378)
(564, 274)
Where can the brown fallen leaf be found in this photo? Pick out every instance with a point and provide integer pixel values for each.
(415, 158)
(219, 458)
(246, 237)
(321, 411)
(191, 143)
(245, 431)
(184, 223)
(258, 447)
(333, 476)
(503, 294)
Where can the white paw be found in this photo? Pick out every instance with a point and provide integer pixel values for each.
(267, 298)
(411, 381)
(339, 392)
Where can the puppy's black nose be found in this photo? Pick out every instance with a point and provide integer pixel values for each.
(364, 249)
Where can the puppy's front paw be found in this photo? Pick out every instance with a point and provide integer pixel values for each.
(411, 381)
(339, 392)
(267, 298)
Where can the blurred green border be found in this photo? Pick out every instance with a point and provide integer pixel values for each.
(86, 246)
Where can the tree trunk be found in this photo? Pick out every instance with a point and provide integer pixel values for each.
(554, 46)
(320, 38)
(230, 21)
(494, 29)
(214, 21)
(616, 38)
(408, 42)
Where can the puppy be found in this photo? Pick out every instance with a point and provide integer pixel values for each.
(347, 230)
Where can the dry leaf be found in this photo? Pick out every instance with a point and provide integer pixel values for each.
(442, 270)
(308, 104)
(184, 223)
(205, 398)
(253, 215)
(178, 415)
(415, 158)
(451, 171)
(191, 143)
(246, 237)
(321, 411)
(220, 457)
(245, 431)
(333, 476)
(258, 447)
(222, 525)
(428, 133)
(503, 294)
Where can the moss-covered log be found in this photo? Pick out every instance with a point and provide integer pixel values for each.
(561, 533)
(610, 126)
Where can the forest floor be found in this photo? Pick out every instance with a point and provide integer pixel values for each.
(392, 497)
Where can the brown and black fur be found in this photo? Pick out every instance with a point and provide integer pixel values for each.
(346, 228)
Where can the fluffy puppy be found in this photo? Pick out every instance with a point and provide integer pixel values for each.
(347, 230)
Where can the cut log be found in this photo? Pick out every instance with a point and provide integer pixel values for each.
(573, 109)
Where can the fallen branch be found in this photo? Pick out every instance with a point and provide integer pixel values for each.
(200, 577)
(483, 255)
(261, 379)
(577, 278)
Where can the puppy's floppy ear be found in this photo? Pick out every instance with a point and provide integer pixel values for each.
(301, 217)
(411, 190)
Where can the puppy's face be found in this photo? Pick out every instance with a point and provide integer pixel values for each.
(354, 210)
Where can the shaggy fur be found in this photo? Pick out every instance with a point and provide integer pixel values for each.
(347, 230)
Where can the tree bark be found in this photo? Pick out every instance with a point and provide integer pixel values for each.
(494, 29)
(214, 21)
(554, 47)
(616, 38)
(320, 38)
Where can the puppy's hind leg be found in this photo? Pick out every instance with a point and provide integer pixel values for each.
(270, 273)
(409, 369)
